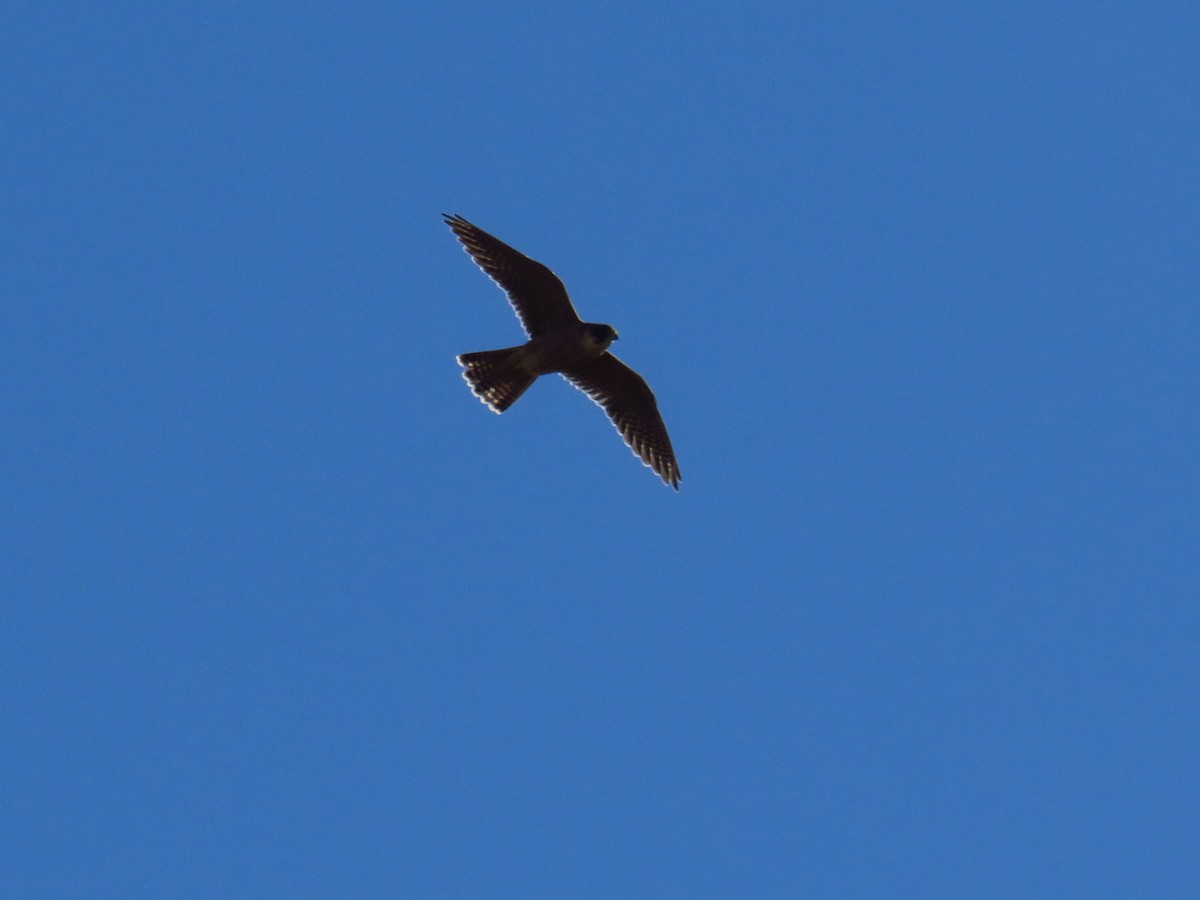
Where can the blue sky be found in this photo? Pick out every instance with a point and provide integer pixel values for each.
(287, 612)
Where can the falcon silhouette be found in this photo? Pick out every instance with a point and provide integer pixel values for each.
(559, 341)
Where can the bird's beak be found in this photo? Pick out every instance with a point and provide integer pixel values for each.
(616, 337)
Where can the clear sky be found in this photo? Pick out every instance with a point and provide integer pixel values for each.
(287, 612)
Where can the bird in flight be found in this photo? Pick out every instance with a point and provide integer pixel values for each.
(559, 341)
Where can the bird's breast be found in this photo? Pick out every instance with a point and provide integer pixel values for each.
(562, 350)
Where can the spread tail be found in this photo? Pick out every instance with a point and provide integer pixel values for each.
(497, 377)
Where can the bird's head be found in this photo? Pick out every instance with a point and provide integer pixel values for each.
(602, 335)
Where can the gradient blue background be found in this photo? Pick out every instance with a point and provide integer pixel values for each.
(287, 612)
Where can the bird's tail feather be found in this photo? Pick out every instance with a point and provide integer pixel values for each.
(497, 377)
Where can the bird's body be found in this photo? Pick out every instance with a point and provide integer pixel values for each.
(568, 347)
(559, 341)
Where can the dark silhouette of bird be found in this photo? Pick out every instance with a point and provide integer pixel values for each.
(559, 341)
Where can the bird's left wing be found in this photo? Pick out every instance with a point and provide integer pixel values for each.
(630, 404)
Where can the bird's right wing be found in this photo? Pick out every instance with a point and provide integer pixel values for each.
(536, 294)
